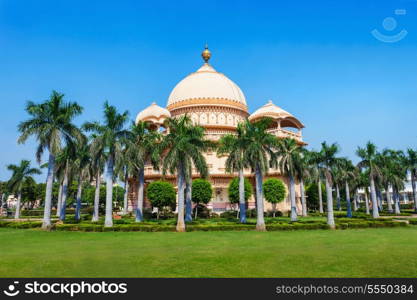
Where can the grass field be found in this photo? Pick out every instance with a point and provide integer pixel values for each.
(386, 252)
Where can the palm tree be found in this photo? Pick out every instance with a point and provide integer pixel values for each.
(21, 174)
(328, 160)
(412, 168)
(184, 146)
(317, 172)
(289, 163)
(51, 124)
(370, 161)
(123, 170)
(385, 161)
(97, 162)
(108, 140)
(347, 173)
(143, 146)
(65, 164)
(260, 154)
(234, 146)
(82, 165)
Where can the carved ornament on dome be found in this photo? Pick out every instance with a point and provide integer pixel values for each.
(207, 101)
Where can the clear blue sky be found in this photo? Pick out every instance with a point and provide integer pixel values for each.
(316, 59)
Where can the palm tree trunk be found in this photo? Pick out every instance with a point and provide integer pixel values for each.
(141, 187)
(348, 204)
(339, 206)
(320, 197)
(397, 202)
(375, 213)
(292, 195)
(366, 202)
(108, 222)
(181, 188)
(260, 222)
(379, 198)
(303, 199)
(96, 198)
(188, 203)
(126, 194)
(330, 215)
(242, 204)
(355, 201)
(59, 202)
(64, 194)
(46, 224)
(196, 211)
(413, 184)
(19, 200)
(389, 202)
(78, 199)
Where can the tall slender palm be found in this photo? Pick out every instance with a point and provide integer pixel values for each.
(385, 162)
(412, 168)
(184, 146)
(337, 181)
(22, 173)
(347, 173)
(51, 123)
(82, 165)
(317, 173)
(289, 163)
(370, 161)
(108, 140)
(398, 175)
(65, 164)
(328, 160)
(234, 146)
(97, 163)
(260, 154)
(143, 146)
(123, 170)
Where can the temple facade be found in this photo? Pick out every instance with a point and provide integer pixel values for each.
(216, 103)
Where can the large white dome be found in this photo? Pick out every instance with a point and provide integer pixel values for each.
(204, 87)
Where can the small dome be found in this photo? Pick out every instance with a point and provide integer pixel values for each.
(273, 111)
(153, 113)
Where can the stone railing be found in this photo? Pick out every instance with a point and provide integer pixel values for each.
(284, 133)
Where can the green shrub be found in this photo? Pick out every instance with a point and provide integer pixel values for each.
(161, 194)
(233, 190)
(229, 214)
(275, 192)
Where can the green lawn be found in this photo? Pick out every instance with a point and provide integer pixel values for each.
(385, 252)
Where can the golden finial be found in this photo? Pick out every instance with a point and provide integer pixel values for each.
(206, 54)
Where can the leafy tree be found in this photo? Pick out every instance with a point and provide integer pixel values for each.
(50, 123)
(22, 173)
(108, 139)
(313, 199)
(233, 190)
(275, 192)
(201, 193)
(161, 194)
(183, 147)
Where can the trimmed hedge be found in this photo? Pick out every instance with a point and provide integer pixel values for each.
(20, 225)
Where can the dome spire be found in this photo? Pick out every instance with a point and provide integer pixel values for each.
(206, 54)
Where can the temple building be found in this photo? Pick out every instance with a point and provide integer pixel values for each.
(218, 104)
